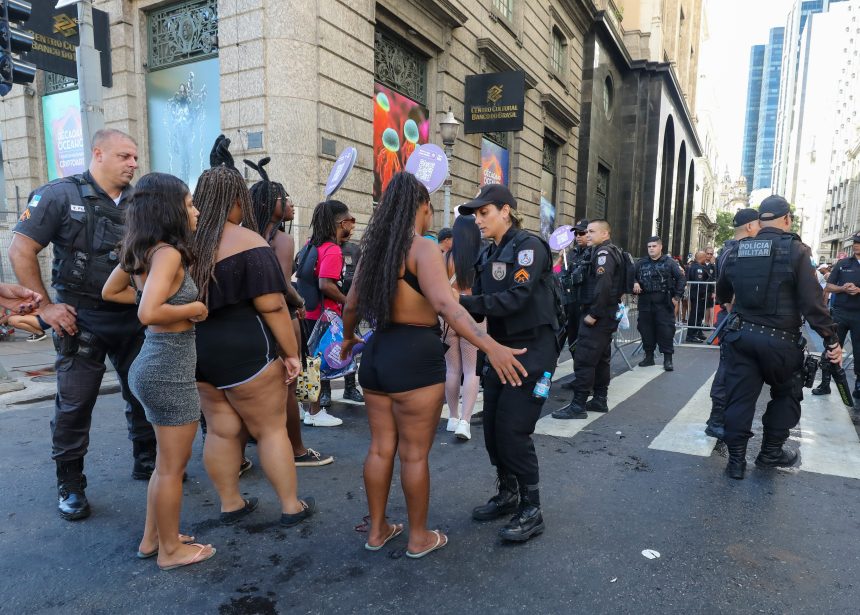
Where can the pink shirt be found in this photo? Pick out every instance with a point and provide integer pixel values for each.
(329, 265)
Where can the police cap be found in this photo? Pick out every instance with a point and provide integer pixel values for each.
(773, 207)
(856, 238)
(745, 216)
(491, 194)
(580, 226)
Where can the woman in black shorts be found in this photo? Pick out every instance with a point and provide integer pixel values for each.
(401, 286)
(239, 375)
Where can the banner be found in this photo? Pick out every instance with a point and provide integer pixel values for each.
(495, 163)
(184, 118)
(64, 136)
(547, 204)
(495, 102)
(399, 126)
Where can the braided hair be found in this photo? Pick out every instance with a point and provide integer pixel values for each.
(385, 244)
(217, 191)
(324, 221)
(264, 199)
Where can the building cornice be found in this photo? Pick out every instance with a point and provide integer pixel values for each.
(497, 56)
(446, 12)
(557, 108)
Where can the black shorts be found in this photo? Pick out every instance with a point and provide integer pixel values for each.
(402, 358)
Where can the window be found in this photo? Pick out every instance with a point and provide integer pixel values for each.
(182, 32)
(505, 8)
(400, 66)
(549, 186)
(608, 97)
(601, 196)
(557, 52)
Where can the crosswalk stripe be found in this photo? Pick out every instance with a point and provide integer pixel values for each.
(685, 432)
(828, 440)
(620, 388)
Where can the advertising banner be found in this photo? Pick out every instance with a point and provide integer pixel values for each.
(495, 164)
(495, 102)
(64, 136)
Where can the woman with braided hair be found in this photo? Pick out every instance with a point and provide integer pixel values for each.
(401, 286)
(272, 207)
(239, 376)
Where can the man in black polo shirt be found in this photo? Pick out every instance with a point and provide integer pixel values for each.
(844, 283)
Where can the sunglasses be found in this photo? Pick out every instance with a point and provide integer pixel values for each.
(580, 233)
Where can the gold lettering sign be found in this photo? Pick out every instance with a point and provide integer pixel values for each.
(494, 94)
(65, 25)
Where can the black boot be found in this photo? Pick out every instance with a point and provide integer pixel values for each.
(501, 504)
(144, 459)
(575, 409)
(856, 385)
(715, 426)
(71, 482)
(667, 362)
(350, 390)
(737, 460)
(597, 403)
(824, 387)
(772, 455)
(648, 360)
(528, 521)
(325, 394)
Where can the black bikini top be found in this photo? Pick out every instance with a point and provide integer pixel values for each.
(411, 279)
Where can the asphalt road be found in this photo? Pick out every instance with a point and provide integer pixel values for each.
(777, 542)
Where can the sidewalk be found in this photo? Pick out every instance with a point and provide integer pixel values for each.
(31, 365)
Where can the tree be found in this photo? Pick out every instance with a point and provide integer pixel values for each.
(725, 230)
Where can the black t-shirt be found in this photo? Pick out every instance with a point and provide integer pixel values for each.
(245, 275)
(844, 271)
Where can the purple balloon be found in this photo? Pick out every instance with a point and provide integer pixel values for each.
(429, 164)
(342, 166)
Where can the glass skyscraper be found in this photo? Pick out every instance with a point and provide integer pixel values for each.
(752, 113)
(768, 107)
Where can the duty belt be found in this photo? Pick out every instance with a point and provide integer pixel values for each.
(782, 334)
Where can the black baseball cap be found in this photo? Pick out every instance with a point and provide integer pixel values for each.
(582, 225)
(773, 207)
(445, 233)
(491, 194)
(745, 216)
(856, 238)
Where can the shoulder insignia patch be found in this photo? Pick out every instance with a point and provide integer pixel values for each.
(522, 276)
(603, 251)
(500, 270)
(34, 202)
(77, 208)
(525, 257)
(25, 215)
(601, 260)
(600, 271)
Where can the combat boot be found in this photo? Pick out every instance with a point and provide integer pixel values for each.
(824, 387)
(575, 409)
(325, 394)
(144, 459)
(501, 504)
(598, 403)
(648, 361)
(737, 460)
(856, 385)
(71, 482)
(667, 362)
(772, 455)
(528, 521)
(715, 427)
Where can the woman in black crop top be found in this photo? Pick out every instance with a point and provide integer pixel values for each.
(239, 375)
(401, 286)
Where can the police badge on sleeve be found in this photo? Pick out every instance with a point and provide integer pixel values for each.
(500, 270)
(525, 257)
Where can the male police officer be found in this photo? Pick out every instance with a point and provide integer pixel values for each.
(844, 283)
(572, 279)
(602, 290)
(83, 216)
(659, 282)
(698, 274)
(746, 224)
(773, 284)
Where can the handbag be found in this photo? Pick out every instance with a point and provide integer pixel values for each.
(308, 384)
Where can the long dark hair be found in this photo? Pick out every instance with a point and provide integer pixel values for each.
(217, 191)
(385, 245)
(324, 221)
(155, 214)
(264, 199)
(464, 250)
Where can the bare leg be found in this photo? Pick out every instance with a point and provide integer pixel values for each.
(222, 452)
(453, 373)
(471, 381)
(379, 464)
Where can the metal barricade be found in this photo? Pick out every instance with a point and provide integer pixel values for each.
(631, 335)
(695, 316)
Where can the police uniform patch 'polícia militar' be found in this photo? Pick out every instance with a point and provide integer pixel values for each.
(525, 257)
(601, 260)
(522, 276)
(500, 270)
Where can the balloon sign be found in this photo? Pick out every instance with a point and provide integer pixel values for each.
(332, 352)
(429, 164)
(562, 237)
(342, 166)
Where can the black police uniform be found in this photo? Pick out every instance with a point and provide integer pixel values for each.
(85, 225)
(572, 280)
(601, 292)
(661, 280)
(846, 308)
(514, 290)
(773, 283)
(699, 294)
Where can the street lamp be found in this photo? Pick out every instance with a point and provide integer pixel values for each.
(448, 128)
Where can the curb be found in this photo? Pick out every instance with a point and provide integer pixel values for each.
(43, 391)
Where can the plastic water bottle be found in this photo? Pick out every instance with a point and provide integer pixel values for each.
(542, 386)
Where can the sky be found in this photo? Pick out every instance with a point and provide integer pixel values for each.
(733, 27)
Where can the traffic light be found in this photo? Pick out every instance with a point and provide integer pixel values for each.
(13, 41)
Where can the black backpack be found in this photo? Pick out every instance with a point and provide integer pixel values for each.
(626, 269)
(308, 283)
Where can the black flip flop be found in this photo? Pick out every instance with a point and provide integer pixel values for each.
(310, 507)
(234, 515)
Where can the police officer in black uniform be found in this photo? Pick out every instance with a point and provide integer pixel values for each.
(515, 292)
(844, 283)
(83, 216)
(601, 293)
(774, 285)
(659, 282)
(572, 279)
(698, 272)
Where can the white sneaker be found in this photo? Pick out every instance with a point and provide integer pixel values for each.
(322, 419)
(452, 424)
(463, 431)
(306, 419)
(302, 411)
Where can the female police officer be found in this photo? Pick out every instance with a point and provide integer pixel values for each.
(514, 291)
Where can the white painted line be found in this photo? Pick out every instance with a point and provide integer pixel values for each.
(828, 442)
(620, 388)
(685, 432)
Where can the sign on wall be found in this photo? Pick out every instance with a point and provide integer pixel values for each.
(64, 142)
(495, 164)
(495, 102)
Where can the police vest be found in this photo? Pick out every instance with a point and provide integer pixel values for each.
(762, 276)
(656, 276)
(574, 275)
(544, 305)
(83, 266)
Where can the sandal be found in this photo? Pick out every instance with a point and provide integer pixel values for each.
(182, 538)
(439, 544)
(309, 507)
(234, 515)
(198, 557)
(396, 530)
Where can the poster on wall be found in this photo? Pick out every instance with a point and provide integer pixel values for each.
(64, 137)
(399, 125)
(494, 164)
(547, 206)
(184, 109)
